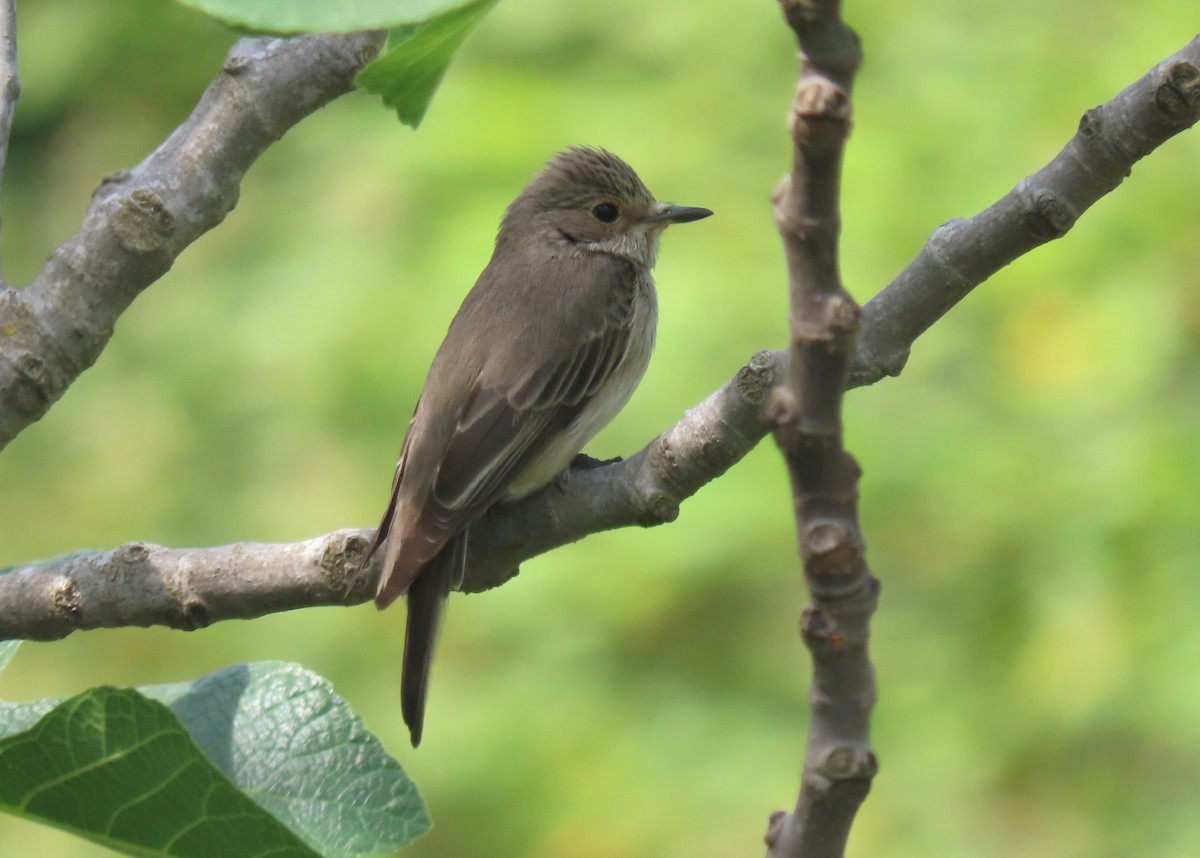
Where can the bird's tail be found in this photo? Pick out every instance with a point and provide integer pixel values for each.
(426, 603)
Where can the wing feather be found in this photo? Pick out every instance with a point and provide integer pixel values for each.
(497, 431)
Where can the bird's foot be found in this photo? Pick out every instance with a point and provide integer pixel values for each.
(581, 462)
(584, 462)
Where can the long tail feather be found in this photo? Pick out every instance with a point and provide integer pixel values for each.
(426, 602)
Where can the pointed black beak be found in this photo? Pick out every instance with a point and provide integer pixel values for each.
(678, 214)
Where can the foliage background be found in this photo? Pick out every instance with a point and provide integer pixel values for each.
(1031, 481)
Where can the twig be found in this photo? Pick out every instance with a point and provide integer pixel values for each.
(140, 220)
(10, 85)
(839, 763)
(963, 253)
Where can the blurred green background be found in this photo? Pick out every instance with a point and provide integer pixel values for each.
(1032, 482)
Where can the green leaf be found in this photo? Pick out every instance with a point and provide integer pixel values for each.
(407, 74)
(321, 16)
(280, 733)
(122, 771)
(225, 765)
(424, 37)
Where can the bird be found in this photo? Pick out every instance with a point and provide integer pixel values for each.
(546, 348)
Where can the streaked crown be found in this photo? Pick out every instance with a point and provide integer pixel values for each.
(582, 173)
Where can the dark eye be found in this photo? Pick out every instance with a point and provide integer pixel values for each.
(605, 213)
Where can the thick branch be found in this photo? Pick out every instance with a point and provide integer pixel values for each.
(839, 763)
(140, 220)
(141, 585)
(10, 84)
(962, 254)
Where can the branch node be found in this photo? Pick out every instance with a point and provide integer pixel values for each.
(342, 562)
(31, 367)
(1185, 75)
(142, 223)
(824, 538)
(192, 615)
(133, 554)
(818, 97)
(235, 64)
(1091, 123)
(1178, 95)
(658, 508)
(1049, 217)
(348, 553)
(756, 379)
(849, 762)
(775, 823)
(822, 634)
(814, 623)
(67, 601)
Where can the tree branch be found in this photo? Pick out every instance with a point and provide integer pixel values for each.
(140, 220)
(10, 85)
(963, 253)
(141, 584)
(839, 763)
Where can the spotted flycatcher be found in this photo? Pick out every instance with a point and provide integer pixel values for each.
(543, 352)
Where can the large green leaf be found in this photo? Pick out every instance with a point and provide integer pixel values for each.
(416, 59)
(253, 760)
(281, 734)
(321, 16)
(424, 37)
(119, 769)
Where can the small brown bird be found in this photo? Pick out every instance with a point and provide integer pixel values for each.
(544, 351)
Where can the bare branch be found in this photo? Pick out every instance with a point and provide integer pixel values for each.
(963, 253)
(140, 220)
(10, 84)
(839, 763)
(141, 584)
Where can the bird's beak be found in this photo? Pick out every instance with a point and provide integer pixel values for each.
(676, 214)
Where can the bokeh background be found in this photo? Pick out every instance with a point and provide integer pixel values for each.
(1032, 482)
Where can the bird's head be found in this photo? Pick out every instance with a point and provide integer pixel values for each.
(592, 201)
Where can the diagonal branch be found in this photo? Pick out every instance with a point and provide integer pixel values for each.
(140, 220)
(839, 763)
(963, 253)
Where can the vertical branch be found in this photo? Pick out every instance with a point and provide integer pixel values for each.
(839, 763)
(10, 85)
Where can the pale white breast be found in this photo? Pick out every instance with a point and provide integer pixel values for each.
(610, 398)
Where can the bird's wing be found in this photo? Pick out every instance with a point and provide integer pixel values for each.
(501, 432)
(498, 432)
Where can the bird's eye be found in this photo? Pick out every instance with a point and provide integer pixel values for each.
(605, 213)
